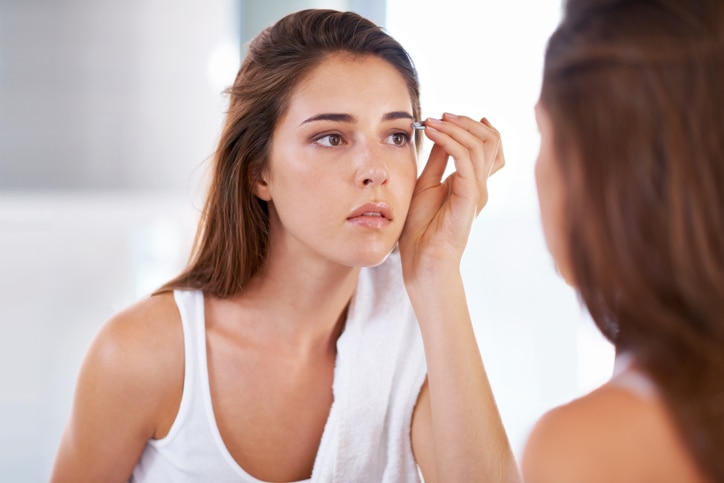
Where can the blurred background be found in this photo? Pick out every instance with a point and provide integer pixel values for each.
(109, 112)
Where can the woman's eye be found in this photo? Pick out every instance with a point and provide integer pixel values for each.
(330, 140)
(398, 138)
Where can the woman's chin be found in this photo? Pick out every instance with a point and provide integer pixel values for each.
(371, 258)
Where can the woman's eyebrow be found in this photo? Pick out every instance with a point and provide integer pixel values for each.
(343, 117)
(391, 116)
(330, 116)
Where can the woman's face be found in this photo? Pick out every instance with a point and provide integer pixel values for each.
(343, 164)
(551, 195)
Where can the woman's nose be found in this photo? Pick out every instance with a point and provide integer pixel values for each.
(372, 168)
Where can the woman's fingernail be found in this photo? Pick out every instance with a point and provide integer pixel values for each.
(451, 116)
(433, 120)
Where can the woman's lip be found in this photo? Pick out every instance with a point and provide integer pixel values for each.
(375, 211)
(365, 221)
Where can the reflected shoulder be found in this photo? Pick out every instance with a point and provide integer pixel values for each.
(608, 435)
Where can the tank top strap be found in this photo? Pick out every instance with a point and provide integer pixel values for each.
(190, 304)
(627, 376)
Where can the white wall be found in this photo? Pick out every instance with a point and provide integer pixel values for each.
(68, 261)
(99, 95)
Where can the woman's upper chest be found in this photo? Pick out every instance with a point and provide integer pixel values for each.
(270, 402)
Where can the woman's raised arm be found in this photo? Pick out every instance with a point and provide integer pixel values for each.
(457, 433)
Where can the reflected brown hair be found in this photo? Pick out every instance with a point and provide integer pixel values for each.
(635, 92)
(233, 234)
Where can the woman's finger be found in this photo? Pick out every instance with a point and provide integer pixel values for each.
(488, 137)
(499, 158)
(482, 143)
(481, 139)
(447, 138)
(434, 168)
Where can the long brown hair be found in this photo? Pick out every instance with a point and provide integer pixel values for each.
(635, 92)
(233, 234)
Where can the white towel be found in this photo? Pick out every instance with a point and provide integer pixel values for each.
(379, 371)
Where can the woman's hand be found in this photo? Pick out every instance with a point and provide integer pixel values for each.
(441, 213)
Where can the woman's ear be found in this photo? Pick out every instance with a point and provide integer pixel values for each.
(262, 190)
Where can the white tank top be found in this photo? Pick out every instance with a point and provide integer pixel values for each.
(378, 374)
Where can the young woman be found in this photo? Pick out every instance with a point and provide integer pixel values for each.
(288, 349)
(630, 176)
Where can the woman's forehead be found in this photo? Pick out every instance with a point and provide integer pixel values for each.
(345, 82)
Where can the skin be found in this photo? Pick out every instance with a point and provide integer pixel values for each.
(611, 434)
(271, 350)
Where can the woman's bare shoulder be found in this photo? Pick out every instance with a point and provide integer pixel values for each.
(611, 434)
(157, 313)
(143, 345)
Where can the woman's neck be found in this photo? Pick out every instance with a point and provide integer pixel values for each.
(302, 302)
